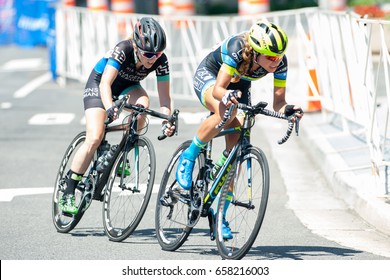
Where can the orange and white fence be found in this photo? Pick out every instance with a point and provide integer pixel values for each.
(333, 5)
(252, 7)
(69, 2)
(176, 7)
(97, 5)
(122, 6)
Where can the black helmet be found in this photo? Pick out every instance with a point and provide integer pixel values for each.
(149, 35)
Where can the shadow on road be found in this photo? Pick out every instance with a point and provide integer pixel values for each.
(300, 252)
(148, 236)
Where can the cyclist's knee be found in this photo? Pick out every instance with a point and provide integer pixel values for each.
(93, 141)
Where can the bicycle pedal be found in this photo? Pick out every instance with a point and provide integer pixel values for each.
(67, 215)
(85, 202)
(164, 201)
(194, 218)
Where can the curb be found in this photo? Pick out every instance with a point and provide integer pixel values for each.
(347, 170)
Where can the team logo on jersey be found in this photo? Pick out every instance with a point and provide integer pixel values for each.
(91, 92)
(237, 55)
(198, 83)
(118, 55)
(163, 69)
(204, 74)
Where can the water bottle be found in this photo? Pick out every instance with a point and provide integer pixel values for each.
(103, 151)
(110, 154)
(106, 159)
(217, 167)
(104, 148)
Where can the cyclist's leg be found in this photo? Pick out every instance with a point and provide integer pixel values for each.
(205, 133)
(231, 140)
(95, 117)
(138, 96)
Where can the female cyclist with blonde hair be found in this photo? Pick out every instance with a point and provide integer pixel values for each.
(224, 77)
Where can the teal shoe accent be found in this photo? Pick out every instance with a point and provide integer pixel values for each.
(226, 231)
(184, 172)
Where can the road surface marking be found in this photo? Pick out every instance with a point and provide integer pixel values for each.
(51, 118)
(23, 64)
(32, 85)
(5, 105)
(9, 194)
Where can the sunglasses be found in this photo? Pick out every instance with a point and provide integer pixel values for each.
(268, 57)
(150, 55)
(272, 58)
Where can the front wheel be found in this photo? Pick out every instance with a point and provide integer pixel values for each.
(66, 222)
(129, 188)
(247, 197)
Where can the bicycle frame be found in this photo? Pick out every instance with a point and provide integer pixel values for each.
(128, 139)
(242, 143)
(127, 142)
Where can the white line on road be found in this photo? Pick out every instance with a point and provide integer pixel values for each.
(51, 119)
(31, 86)
(23, 64)
(5, 105)
(9, 194)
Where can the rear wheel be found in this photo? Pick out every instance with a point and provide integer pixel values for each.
(173, 205)
(129, 188)
(247, 208)
(66, 222)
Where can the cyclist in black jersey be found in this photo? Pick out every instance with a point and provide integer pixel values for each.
(120, 72)
(225, 76)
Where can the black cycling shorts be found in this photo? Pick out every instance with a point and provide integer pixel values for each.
(92, 98)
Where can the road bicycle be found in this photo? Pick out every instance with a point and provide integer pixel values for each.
(245, 173)
(123, 183)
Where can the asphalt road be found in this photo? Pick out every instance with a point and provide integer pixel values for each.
(33, 138)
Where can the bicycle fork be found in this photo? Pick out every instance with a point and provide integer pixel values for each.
(124, 164)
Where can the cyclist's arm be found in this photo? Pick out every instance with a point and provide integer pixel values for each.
(279, 102)
(109, 75)
(165, 106)
(164, 97)
(223, 80)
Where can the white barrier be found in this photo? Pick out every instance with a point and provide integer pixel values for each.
(84, 36)
(353, 66)
(349, 54)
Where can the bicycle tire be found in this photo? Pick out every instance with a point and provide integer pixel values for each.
(172, 228)
(65, 223)
(124, 206)
(245, 223)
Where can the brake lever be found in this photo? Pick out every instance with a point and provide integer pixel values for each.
(173, 120)
(296, 124)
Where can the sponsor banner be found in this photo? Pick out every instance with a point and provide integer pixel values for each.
(7, 21)
(33, 20)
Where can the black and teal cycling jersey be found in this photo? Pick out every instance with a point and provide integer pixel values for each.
(123, 58)
(229, 52)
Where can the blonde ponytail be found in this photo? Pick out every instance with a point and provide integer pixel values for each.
(247, 55)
